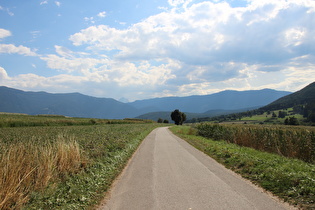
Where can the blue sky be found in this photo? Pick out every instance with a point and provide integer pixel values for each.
(143, 49)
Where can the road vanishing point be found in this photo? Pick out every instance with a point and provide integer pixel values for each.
(167, 173)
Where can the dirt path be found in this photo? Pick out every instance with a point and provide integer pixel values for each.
(168, 173)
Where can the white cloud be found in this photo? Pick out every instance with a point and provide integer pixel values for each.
(43, 2)
(64, 52)
(89, 19)
(12, 49)
(212, 42)
(177, 3)
(60, 83)
(102, 14)
(70, 65)
(294, 36)
(58, 4)
(193, 48)
(4, 33)
(3, 74)
(7, 10)
(35, 34)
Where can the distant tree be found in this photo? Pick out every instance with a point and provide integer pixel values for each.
(309, 111)
(311, 117)
(160, 120)
(298, 109)
(183, 118)
(274, 115)
(282, 114)
(178, 117)
(166, 121)
(291, 121)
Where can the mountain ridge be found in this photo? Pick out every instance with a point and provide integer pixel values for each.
(79, 105)
(226, 100)
(68, 104)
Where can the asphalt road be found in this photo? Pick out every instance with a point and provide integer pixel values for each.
(168, 173)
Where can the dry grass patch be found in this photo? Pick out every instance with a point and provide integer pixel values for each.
(27, 167)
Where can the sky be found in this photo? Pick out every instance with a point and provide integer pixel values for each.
(139, 49)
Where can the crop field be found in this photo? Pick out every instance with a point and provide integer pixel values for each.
(289, 141)
(23, 120)
(63, 167)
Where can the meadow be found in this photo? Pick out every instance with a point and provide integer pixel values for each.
(63, 165)
(289, 178)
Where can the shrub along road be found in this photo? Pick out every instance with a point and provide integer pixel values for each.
(168, 173)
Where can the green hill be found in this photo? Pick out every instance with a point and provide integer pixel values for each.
(301, 97)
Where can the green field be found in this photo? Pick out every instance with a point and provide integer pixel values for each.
(268, 118)
(63, 166)
(23, 120)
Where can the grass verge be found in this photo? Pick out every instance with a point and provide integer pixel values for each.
(290, 179)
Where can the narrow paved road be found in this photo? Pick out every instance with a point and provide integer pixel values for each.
(167, 173)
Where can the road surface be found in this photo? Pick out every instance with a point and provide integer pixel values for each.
(167, 173)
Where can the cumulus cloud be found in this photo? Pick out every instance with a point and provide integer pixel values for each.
(10, 49)
(177, 3)
(216, 42)
(3, 74)
(208, 32)
(193, 48)
(60, 83)
(70, 65)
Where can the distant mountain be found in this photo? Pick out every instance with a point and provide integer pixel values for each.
(71, 104)
(78, 105)
(300, 97)
(225, 100)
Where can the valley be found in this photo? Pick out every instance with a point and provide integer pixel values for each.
(70, 162)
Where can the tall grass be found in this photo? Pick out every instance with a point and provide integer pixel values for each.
(27, 166)
(294, 142)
